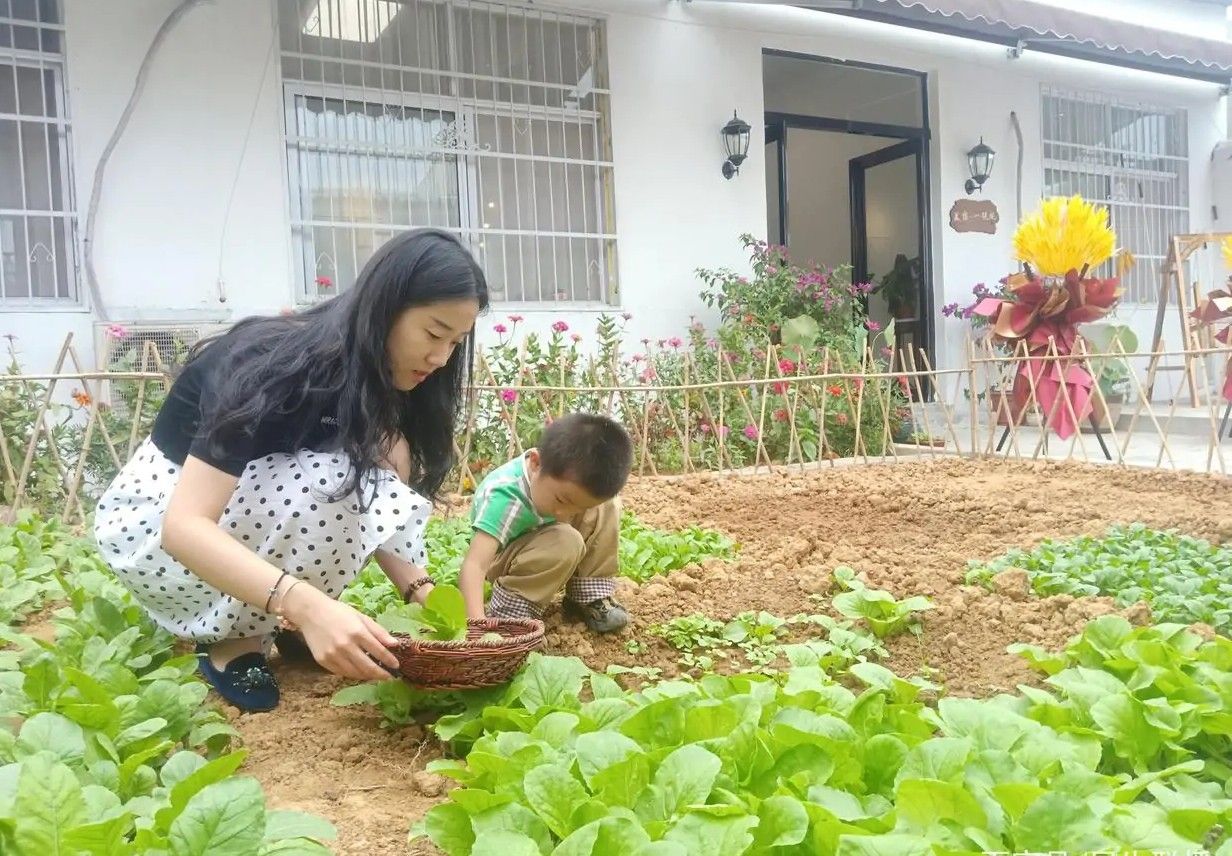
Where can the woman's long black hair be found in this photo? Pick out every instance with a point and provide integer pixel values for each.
(334, 356)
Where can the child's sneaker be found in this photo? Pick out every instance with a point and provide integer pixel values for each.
(604, 615)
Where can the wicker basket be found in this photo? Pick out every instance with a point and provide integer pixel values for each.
(469, 664)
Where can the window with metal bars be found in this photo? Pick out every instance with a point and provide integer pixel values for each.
(487, 119)
(1133, 158)
(37, 221)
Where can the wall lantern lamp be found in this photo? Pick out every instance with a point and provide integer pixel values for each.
(736, 142)
(979, 162)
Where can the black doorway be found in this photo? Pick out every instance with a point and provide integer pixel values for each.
(823, 114)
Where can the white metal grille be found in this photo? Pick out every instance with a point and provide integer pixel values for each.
(37, 220)
(487, 119)
(1133, 158)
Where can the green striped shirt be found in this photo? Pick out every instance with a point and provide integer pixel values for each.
(501, 506)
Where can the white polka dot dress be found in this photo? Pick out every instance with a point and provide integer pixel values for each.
(281, 510)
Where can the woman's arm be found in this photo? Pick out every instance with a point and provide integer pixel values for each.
(403, 573)
(341, 639)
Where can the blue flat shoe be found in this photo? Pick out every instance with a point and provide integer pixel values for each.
(246, 682)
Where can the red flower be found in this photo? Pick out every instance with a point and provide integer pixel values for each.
(835, 390)
(780, 415)
(324, 282)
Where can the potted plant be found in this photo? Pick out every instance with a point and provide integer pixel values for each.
(901, 286)
(1000, 402)
(1111, 372)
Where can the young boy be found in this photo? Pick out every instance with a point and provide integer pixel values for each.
(550, 520)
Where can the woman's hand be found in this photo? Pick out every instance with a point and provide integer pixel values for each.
(342, 639)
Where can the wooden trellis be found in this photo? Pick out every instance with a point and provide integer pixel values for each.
(707, 418)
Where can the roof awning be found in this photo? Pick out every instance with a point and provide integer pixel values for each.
(1030, 25)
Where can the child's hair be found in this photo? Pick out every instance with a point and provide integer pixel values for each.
(590, 450)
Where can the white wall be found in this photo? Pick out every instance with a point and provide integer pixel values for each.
(159, 248)
(677, 71)
(972, 88)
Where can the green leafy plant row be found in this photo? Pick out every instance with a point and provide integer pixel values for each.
(1125, 753)
(644, 553)
(106, 745)
(1183, 579)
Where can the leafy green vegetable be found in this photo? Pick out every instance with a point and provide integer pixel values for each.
(646, 552)
(442, 616)
(809, 762)
(100, 733)
(1184, 579)
(880, 610)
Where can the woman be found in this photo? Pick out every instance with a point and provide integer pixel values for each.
(289, 451)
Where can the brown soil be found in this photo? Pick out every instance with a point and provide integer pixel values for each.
(909, 527)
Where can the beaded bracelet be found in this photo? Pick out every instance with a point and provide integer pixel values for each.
(414, 587)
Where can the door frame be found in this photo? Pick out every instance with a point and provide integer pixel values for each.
(778, 124)
(856, 168)
(921, 324)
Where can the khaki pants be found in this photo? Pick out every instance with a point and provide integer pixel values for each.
(580, 555)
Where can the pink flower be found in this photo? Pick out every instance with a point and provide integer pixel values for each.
(626, 315)
(509, 395)
(324, 282)
(675, 341)
(649, 374)
(516, 319)
(750, 431)
(576, 338)
(786, 366)
(712, 344)
(116, 331)
(559, 326)
(724, 430)
(705, 427)
(500, 328)
(841, 419)
(873, 326)
(887, 352)
(772, 270)
(636, 358)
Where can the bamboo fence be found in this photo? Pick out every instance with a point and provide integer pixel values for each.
(834, 412)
